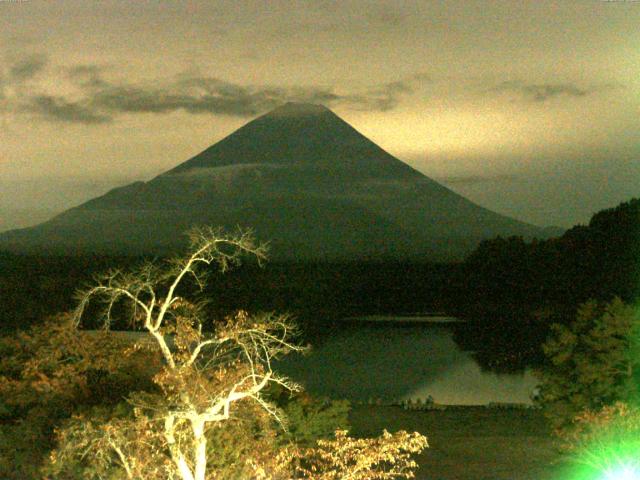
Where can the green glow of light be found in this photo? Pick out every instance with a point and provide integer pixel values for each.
(612, 460)
(623, 472)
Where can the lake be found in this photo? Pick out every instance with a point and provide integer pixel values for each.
(398, 359)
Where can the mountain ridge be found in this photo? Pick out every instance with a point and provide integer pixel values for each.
(302, 178)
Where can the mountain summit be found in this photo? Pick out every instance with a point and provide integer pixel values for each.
(303, 179)
(299, 133)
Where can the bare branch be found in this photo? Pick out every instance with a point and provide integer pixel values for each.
(201, 345)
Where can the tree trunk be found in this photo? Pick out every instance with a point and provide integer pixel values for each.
(176, 455)
(200, 449)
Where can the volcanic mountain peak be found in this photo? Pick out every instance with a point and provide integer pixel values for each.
(302, 178)
(300, 134)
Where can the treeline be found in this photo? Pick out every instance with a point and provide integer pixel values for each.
(33, 287)
(511, 290)
(318, 294)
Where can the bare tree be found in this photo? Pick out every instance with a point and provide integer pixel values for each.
(207, 369)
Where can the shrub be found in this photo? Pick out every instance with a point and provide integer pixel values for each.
(310, 419)
(591, 363)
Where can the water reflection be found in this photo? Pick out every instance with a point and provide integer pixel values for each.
(390, 362)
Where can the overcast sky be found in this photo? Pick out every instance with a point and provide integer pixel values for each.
(530, 108)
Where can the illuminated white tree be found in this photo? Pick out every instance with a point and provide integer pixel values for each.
(206, 371)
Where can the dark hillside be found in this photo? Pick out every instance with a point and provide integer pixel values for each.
(511, 290)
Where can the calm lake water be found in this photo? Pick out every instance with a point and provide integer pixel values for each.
(387, 361)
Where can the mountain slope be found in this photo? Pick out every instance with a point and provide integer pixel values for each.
(303, 179)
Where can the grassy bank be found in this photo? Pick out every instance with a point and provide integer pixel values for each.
(471, 443)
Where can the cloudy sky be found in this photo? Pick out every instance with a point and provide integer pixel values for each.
(530, 108)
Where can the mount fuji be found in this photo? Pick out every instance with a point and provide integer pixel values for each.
(302, 179)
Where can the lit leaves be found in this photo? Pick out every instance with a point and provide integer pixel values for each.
(385, 457)
(590, 361)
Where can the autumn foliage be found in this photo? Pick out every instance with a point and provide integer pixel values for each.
(186, 397)
(385, 457)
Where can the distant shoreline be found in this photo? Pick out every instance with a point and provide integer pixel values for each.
(425, 318)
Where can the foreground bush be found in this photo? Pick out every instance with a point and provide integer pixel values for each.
(46, 374)
(388, 456)
(592, 363)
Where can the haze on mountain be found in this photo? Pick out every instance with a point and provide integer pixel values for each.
(302, 179)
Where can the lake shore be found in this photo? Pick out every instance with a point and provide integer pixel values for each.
(470, 443)
(395, 319)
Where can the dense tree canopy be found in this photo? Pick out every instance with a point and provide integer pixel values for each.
(592, 362)
(512, 291)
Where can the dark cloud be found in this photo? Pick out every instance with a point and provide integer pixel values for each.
(101, 100)
(59, 109)
(88, 76)
(203, 95)
(388, 95)
(28, 67)
(540, 92)
(84, 70)
(476, 179)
